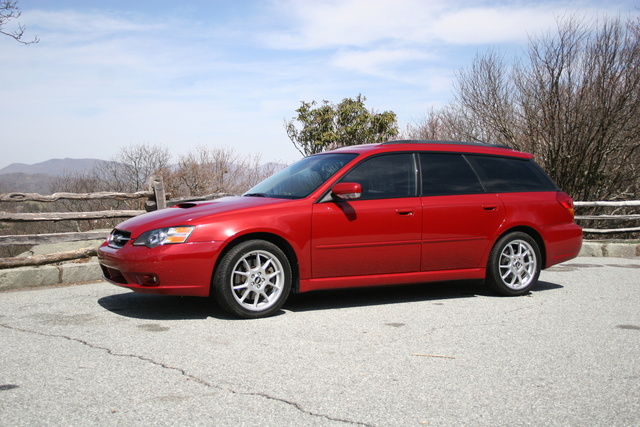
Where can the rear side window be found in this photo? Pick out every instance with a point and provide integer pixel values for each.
(447, 174)
(504, 174)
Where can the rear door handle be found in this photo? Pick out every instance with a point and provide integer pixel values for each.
(490, 208)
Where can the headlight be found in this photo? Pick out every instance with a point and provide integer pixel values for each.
(164, 236)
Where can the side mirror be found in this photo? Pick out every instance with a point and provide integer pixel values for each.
(347, 191)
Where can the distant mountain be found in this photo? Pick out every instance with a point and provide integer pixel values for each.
(25, 183)
(38, 178)
(54, 167)
(41, 177)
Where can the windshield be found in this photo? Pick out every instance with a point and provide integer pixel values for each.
(301, 178)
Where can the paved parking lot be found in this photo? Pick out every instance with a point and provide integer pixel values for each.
(436, 354)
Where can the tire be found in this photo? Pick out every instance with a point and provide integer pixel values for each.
(514, 265)
(253, 279)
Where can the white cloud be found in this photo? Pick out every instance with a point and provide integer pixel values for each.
(477, 26)
(336, 23)
(397, 40)
(382, 62)
(330, 24)
(496, 25)
(98, 23)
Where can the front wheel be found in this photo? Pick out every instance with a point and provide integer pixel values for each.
(253, 279)
(514, 264)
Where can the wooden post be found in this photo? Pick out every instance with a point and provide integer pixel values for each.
(157, 185)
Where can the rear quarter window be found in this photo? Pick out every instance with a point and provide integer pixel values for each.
(508, 175)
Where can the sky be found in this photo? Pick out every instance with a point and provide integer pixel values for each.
(227, 73)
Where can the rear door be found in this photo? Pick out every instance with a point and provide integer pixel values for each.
(379, 233)
(459, 217)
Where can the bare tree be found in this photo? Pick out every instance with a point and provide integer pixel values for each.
(450, 123)
(201, 172)
(573, 100)
(216, 170)
(133, 166)
(8, 12)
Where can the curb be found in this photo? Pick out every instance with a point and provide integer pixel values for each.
(89, 270)
(49, 275)
(614, 249)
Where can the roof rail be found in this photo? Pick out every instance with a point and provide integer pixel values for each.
(420, 141)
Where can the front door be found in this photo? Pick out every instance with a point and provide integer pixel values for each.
(379, 233)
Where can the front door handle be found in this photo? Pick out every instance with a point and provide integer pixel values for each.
(404, 212)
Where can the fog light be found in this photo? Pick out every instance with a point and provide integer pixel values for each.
(148, 279)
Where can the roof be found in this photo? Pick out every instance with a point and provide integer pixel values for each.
(424, 141)
(436, 146)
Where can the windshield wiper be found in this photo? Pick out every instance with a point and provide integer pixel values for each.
(255, 195)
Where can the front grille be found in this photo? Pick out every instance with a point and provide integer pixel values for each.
(118, 238)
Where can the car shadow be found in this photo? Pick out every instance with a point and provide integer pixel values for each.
(545, 286)
(162, 307)
(370, 296)
(360, 297)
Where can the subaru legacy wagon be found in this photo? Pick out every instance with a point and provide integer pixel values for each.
(378, 214)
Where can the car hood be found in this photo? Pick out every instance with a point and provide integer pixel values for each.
(195, 212)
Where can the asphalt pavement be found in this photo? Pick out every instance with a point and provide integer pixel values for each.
(447, 354)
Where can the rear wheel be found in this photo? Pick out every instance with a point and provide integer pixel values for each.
(514, 264)
(253, 279)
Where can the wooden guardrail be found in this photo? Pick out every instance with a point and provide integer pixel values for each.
(157, 194)
(609, 217)
(157, 199)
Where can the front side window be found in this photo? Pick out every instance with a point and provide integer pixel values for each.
(385, 177)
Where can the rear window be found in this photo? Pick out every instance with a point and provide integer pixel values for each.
(505, 174)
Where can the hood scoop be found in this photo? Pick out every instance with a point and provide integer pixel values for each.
(187, 205)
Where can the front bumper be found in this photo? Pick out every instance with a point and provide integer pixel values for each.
(183, 269)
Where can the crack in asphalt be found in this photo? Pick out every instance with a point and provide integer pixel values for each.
(187, 375)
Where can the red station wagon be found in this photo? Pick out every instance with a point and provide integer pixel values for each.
(379, 214)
